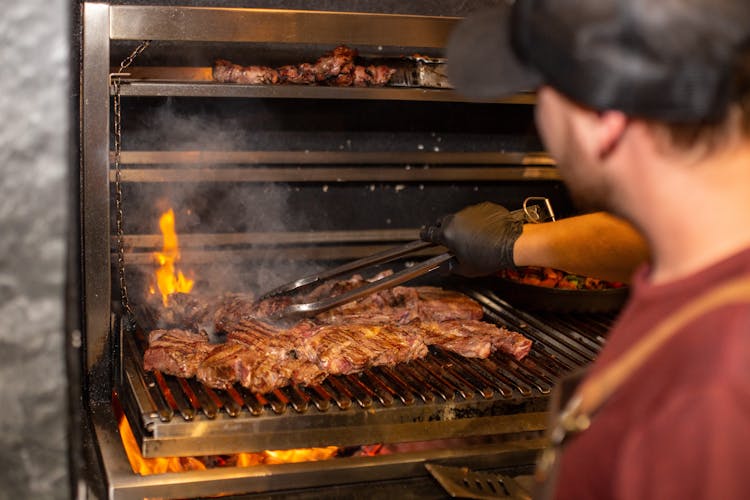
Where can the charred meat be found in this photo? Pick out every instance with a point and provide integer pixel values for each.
(236, 308)
(335, 68)
(475, 339)
(350, 348)
(176, 352)
(261, 358)
(226, 72)
(437, 304)
(387, 327)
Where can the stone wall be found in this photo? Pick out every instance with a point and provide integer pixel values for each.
(33, 202)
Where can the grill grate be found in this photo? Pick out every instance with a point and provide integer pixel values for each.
(380, 404)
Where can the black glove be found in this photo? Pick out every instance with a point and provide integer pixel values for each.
(481, 237)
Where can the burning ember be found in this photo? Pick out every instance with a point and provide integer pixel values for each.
(148, 466)
(169, 280)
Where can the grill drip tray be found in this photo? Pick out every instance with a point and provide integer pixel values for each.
(438, 397)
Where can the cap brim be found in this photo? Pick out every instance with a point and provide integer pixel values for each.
(481, 61)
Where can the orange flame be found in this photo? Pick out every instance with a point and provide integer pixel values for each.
(146, 466)
(160, 465)
(168, 279)
(299, 455)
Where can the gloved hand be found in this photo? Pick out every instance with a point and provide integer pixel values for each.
(481, 237)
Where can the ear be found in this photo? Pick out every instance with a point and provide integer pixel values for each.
(611, 126)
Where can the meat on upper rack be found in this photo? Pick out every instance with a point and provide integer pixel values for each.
(336, 68)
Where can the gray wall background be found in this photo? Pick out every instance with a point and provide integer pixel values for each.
(34, 76)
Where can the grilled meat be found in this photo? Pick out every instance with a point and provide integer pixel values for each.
(339, 61)
(402, 305)
(392, 305)
(284, 358)
(261, 358)
(372, 76)
(226, 72)
(512, 343)
(475, 339)
(221, 369)
(388, 327)
(176, 352)
(303, 74)
(437, 304)
(349, 348)
(236, 308)
(336, 68)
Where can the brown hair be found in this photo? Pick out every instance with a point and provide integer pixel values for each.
(710, 133)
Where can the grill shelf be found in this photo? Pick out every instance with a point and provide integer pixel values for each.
(443, 395)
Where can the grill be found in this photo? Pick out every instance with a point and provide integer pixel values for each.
(425, 399)
(265, 208)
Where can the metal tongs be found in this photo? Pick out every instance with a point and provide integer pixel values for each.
(530, 213)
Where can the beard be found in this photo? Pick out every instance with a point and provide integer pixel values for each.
(582, 175)
(588, 195)
(578, 164)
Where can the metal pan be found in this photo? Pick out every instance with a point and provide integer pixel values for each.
(539, 298)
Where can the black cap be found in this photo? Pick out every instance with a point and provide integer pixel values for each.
(665, 60)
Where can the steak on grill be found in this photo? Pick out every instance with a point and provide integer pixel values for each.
(350, 348)
(261, 358)
(236, 308)
(475, 339)
(437, 304)
(176, 352)
(387, 327)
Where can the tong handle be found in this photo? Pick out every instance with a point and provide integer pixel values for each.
(311, 308)
(371, 260)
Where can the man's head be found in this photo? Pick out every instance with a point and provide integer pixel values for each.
(674, 61)
(679, 68)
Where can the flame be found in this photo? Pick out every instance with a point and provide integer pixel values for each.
(371, 450)
(148, 466)
(299, 455)
(168, 279)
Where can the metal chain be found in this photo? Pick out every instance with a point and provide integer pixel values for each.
(129, 60)
(115, 80)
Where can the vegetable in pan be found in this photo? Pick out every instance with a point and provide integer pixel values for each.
(555, 278)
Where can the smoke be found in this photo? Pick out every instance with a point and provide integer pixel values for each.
(228, 230)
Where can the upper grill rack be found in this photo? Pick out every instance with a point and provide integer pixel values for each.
(429, 398)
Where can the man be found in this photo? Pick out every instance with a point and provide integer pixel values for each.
(646, 108)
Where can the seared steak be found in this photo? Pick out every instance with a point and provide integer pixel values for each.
(176, 352)
(384, 328)
(475, 339)
(221, 369)
(513, 343)
(437, 304)
(349, 348)
(236, 308)
(261, 358)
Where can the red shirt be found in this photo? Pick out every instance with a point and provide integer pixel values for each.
(680, 426)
